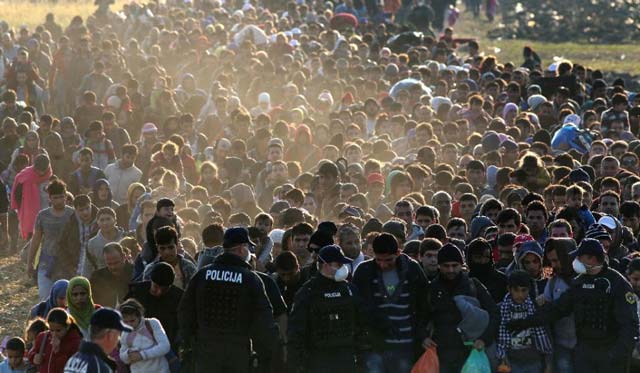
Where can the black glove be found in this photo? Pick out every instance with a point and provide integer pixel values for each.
(517, 325)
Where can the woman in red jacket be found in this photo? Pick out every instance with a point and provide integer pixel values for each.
(54, 347)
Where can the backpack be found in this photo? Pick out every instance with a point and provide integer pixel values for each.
(171, 356)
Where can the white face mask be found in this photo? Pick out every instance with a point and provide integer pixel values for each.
(248, 257)
(341, 274)
(579, 267)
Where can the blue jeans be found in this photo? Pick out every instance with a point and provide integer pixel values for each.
(44, 284)
(396, 361)
(527, 367)
(563, 359)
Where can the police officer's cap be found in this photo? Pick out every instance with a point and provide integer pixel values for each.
(236, 236)
(108, 318)
(333, 254)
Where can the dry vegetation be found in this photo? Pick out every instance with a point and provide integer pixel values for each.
(17, 296)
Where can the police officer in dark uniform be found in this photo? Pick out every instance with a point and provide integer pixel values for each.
(604, 308)
(326, 327)
(105, 329)
(225, 310)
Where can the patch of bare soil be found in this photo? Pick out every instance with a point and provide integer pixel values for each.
(17, 296)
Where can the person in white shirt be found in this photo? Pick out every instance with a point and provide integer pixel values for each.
(123, 173)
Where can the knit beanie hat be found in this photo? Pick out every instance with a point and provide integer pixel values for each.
(597, 232)
(450, 253)
(162, 274)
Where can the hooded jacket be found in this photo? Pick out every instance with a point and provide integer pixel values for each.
(532, 247)
(299, 152)
(494, 280)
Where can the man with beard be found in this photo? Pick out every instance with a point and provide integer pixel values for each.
(452, 353)
(9, 142)
(349, 242)
(481, 267)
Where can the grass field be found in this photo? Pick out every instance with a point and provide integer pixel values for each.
(614, 57)
(618, 58)
(24, 12)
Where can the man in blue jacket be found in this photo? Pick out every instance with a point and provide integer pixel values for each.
(93, 355)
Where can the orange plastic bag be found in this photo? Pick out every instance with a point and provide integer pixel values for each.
(428, 362)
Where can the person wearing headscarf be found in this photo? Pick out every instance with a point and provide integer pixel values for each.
(60, 163)
(80, 302)
(31, 147)
(71, 139)
(303, 146)
(243, 200)
(124, 211)
(26, 193)
(509, 113)
(102, 196)
(57, 298)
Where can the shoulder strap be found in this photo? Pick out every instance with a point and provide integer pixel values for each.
(92, 259)
(472, 287)
(43, 344)
(147, 325)
(552, 285)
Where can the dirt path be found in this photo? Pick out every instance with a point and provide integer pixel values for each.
(17, 296)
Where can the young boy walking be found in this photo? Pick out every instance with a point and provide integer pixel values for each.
(528, 350)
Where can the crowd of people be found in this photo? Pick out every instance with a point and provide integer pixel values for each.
(311, 187)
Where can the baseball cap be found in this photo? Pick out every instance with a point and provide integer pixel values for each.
(276, 235)
(236, 236)
(375, 178)
(349, 211)
(608, 221)
(108, 318)
(333, 254)
(149, 128)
